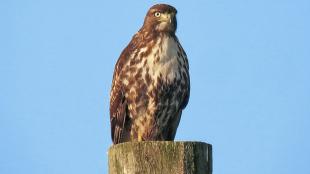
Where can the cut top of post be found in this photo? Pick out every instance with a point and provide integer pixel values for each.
(152, 157)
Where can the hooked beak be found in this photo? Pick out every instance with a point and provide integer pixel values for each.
(167, 17)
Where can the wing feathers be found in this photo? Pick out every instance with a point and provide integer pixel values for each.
(118, 113)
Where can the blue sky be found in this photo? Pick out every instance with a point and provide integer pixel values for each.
(250, 79)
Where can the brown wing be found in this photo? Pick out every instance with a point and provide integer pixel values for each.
(186, 98)
(187, 92)
(118, 107)
(118, 102)
(187, 79)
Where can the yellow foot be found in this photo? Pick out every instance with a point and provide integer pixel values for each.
(139, 137)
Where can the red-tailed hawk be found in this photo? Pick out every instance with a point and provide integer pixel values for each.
(150, 85)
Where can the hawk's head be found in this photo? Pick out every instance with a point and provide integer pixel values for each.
(161, 18)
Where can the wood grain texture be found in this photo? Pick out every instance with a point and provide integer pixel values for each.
(160, 157)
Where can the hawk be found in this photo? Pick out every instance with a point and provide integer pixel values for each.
(151, 85)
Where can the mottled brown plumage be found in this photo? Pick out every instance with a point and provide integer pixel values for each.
(150, 85)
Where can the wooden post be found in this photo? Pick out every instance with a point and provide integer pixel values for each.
(160, 157)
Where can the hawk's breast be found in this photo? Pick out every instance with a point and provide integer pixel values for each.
(166, 60)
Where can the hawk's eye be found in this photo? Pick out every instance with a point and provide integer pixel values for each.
(157, 14)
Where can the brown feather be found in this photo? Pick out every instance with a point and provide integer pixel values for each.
(151, 84)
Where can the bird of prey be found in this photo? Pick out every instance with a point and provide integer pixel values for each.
(151, 84)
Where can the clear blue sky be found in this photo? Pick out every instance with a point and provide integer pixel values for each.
(250, 78)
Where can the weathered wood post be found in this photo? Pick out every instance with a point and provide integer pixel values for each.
(160, 157)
